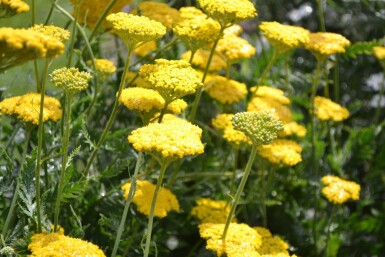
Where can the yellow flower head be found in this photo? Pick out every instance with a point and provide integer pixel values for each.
(172, 79)
(144, 192)
(223, 124)
(264, 103)
(241, 240)
(272, 246)
(323, 44)
(59, 245)
(142, 99)
(228, 12)
(134, 29)
(211, 211)
(201, 57)
(71, 80)
(177, 106)
(190, 12)
(91, 10)
(104, 68)
(52, 31)
(293, 128)
(234, 48)
(379, 52)
(18, 46)
(160, 12)
(170, 140)
(10, 8)
(233, 29)
(338, 190)
(146, 48)
(326, 109)
(270, 92)
(261, 127)
(226, 91)
(222, 121)
(281, 152)
(26, 108)
(284, 37)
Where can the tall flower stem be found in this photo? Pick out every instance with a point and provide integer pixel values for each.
(65, 141)
(40, 146)
(112, 116)
(321, 15)
(153, 203)
(329, 224)
(268, 67)
(240, 189)
(131, 194)
(101, 19)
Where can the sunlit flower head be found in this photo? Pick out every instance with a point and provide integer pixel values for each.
(268, 104)
(270, 92)
(272, 246)
(141, 99)
(71, 80)
(338, 190)
(222, 122)
(323, 44)
(144, 192)
(191, 12)
(10, 8)
(293, 128)
(233, 29)
(177, 106)
(234, 48)
(146, 48)
(379, 52)
(226, 91)
(59, 245)
(211, 211)
(326, 109)
(201, 57)
(104, 68)
(241, 240)
(134, 29)
(160, 12)
(26, 108)
(228, 12)
(52, 31)
(281, 152)
(172, 79)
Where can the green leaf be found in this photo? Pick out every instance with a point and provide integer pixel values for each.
(364, 47)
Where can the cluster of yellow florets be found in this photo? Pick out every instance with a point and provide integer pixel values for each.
(234, 48)
(146, 48)
(52, 31)
(281, 152)
(144, 192)
(142, 99)
(379, 52)
(103, 67)
(226, 91)
(233, 29)
(326, 109)
(177, 106)
(272, 246)
(160, 12)
(26, 108)
(269, 92)
(9, 8)
(134, 29)
(241, 240)
(338, 190)
(71, 80)
(201, 57)
(211, 211)
(323, 44)
(59, 245)
(223, 124)
(293, 128)
(265, 103)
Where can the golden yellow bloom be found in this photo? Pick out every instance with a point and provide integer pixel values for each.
(201, 57)
(160, 12)
(226, 91)
(234, 48)
(270, 92)
(190, 12)
(379, 52)
(9, 8)
(326, 109)
(338, 190)
(59, 245)
(91, 10)
(172, 79)
(323, 44)
(141, 99)
(104, 68)
(26, 108)
(222, 121)
(241, 240)
(134, 29)
(281, 152)
(177, 106)
(223, 124)
(144, 192)
(272, 246)
(169, 140)
(71, 80)
(145, 49)
(264, 103)
(293, 128)
(284, 37)
(228, 12)
(52, 31)
(233, 29)
(211, 211)
(18, 46)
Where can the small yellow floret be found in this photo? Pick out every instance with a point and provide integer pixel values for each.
(145, 49)
(223, 124)
(226, 91)
(270, 92)
(293, 128)
(326, 109)
(264, 103)
(52, 31)
(379, 52)
(338, 190)
(177, 106)
(234, 48)
(272, 246)
(201, 58)
(160, 12)
(211, 211)
(10, 8)
(141, 99)
(323, 44)
(71, 80)
(104, 68)
(144, 193)
(281, 152)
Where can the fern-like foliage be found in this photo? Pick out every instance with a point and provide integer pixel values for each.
(358, 48)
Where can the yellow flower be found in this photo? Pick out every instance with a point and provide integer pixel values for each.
(177, 106)
(293, 128)
(326, 109)
(144, 192)
(223, 124)
(201, 57)
(71, 80)
(26, 108)
(226, 91)
(338, 190)
(191, 12)
(211, 211)
(10, 8)
(160, 12)
(142, 99)
(281, 152)
(172, 79)
(265, 103)
(323, 44)
(170, 140)
(272, 246)
(234, 48)
(145, 49)
(134, 29)
(104, 68)
(284, 37)
(59, 245)
(241, 240)
(233, 29)
(379, 52)
(270, 92)
(228, 12)
(52, 31)
(222, 121)
(18, 46)
(91, 10)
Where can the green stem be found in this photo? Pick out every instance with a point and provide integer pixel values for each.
(101, 19)
(192, 56)
(240, 190)
(268, 67)
(321, 15)
(113, 114)
(36, 69)
(12, 137)
(153, 203)
(235, 167)
(50, 13)
(287, 75)
(336, 84)
(131, 194)
(72, 42)
(33, 7)
(228, 70)
(65, 141)
(378, 110)
(332, 215)
(263, 197)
